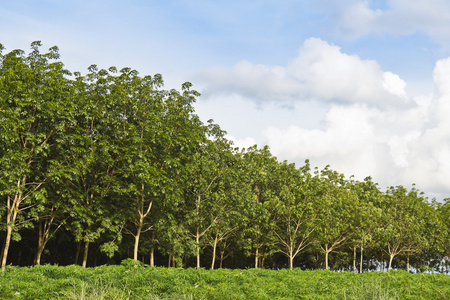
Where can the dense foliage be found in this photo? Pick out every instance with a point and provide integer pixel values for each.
(128, 282)
(105, 166)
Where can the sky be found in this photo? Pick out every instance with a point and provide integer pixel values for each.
(362, 86)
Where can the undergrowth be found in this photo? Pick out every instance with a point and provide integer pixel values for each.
(130, 281)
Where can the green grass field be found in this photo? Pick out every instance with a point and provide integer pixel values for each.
(128, 282)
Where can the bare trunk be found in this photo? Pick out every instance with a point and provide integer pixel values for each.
(152, 256)
(85, 254)
(40, 249)
(10, 221)
(407, 263)
(214, 254)
(170, 261)
(221, 258)
(152, 250)
(44, 237)
(326, 257)
(256, 258)
(136, 241)
(6, 247)
(361, 260)
(391, 257)
(78, 252)
(291, 262)
(354, 259)
(197, 242)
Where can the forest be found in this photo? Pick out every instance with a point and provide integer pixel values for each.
(108, 166)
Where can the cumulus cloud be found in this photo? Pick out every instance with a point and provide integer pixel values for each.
(394, 146)
(320, 71)
(355, 18)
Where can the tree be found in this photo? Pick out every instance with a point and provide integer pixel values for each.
(257, 237)
(210, 190)
(336, 213)
(162, 135)
(92, 174)
(366, 218)
(295, 210)
(403, 226)
(35, 111)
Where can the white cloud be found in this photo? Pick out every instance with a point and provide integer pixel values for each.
(241, 143)
(356, 18)
(321, 71)
(393, 145)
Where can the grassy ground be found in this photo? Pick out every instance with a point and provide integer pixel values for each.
(128, 282)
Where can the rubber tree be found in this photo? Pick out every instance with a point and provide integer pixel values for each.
(210, 190)
(337, 204)
(295, 210)
(92, 175)
(257, 238)
(366, 218)
(403, 226)
(36, 105)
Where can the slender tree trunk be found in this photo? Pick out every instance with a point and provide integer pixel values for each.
(214, 253)
(256, 258)
(152, 256)
(361, 260)
(152, 250)
(291, 262)
(41, 245)
(354, 259)
(44, 237)
(170, 261)
(85, 254)
(221, 258)
(326, 257)
(11, 216)
(391, 257)
(407, 263)
(197, 242)
(6, 247)
(136, 241)
(78, 252)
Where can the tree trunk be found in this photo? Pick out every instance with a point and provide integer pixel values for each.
(291, 262)
(326, 257)
(361, 260)
(391, 257)
(85, 254)
(152, 256)
(214, 253)
(152, 250)
(44, 237)
(78, 252)
(136, 241)
(6, 247)
(221, 258)
(10, 221)
(197, 242)
(407, 263)
(354, 259)
(256, 258)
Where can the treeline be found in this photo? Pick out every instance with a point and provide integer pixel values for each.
(105, 166)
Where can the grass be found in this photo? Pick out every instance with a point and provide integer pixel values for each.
(129, 282)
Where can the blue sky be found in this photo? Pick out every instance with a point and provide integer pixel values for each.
(359, 85)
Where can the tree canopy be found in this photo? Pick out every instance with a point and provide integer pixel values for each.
(109, 165)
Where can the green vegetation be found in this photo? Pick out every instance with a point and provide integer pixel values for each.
(102, 167)
(128, 282)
